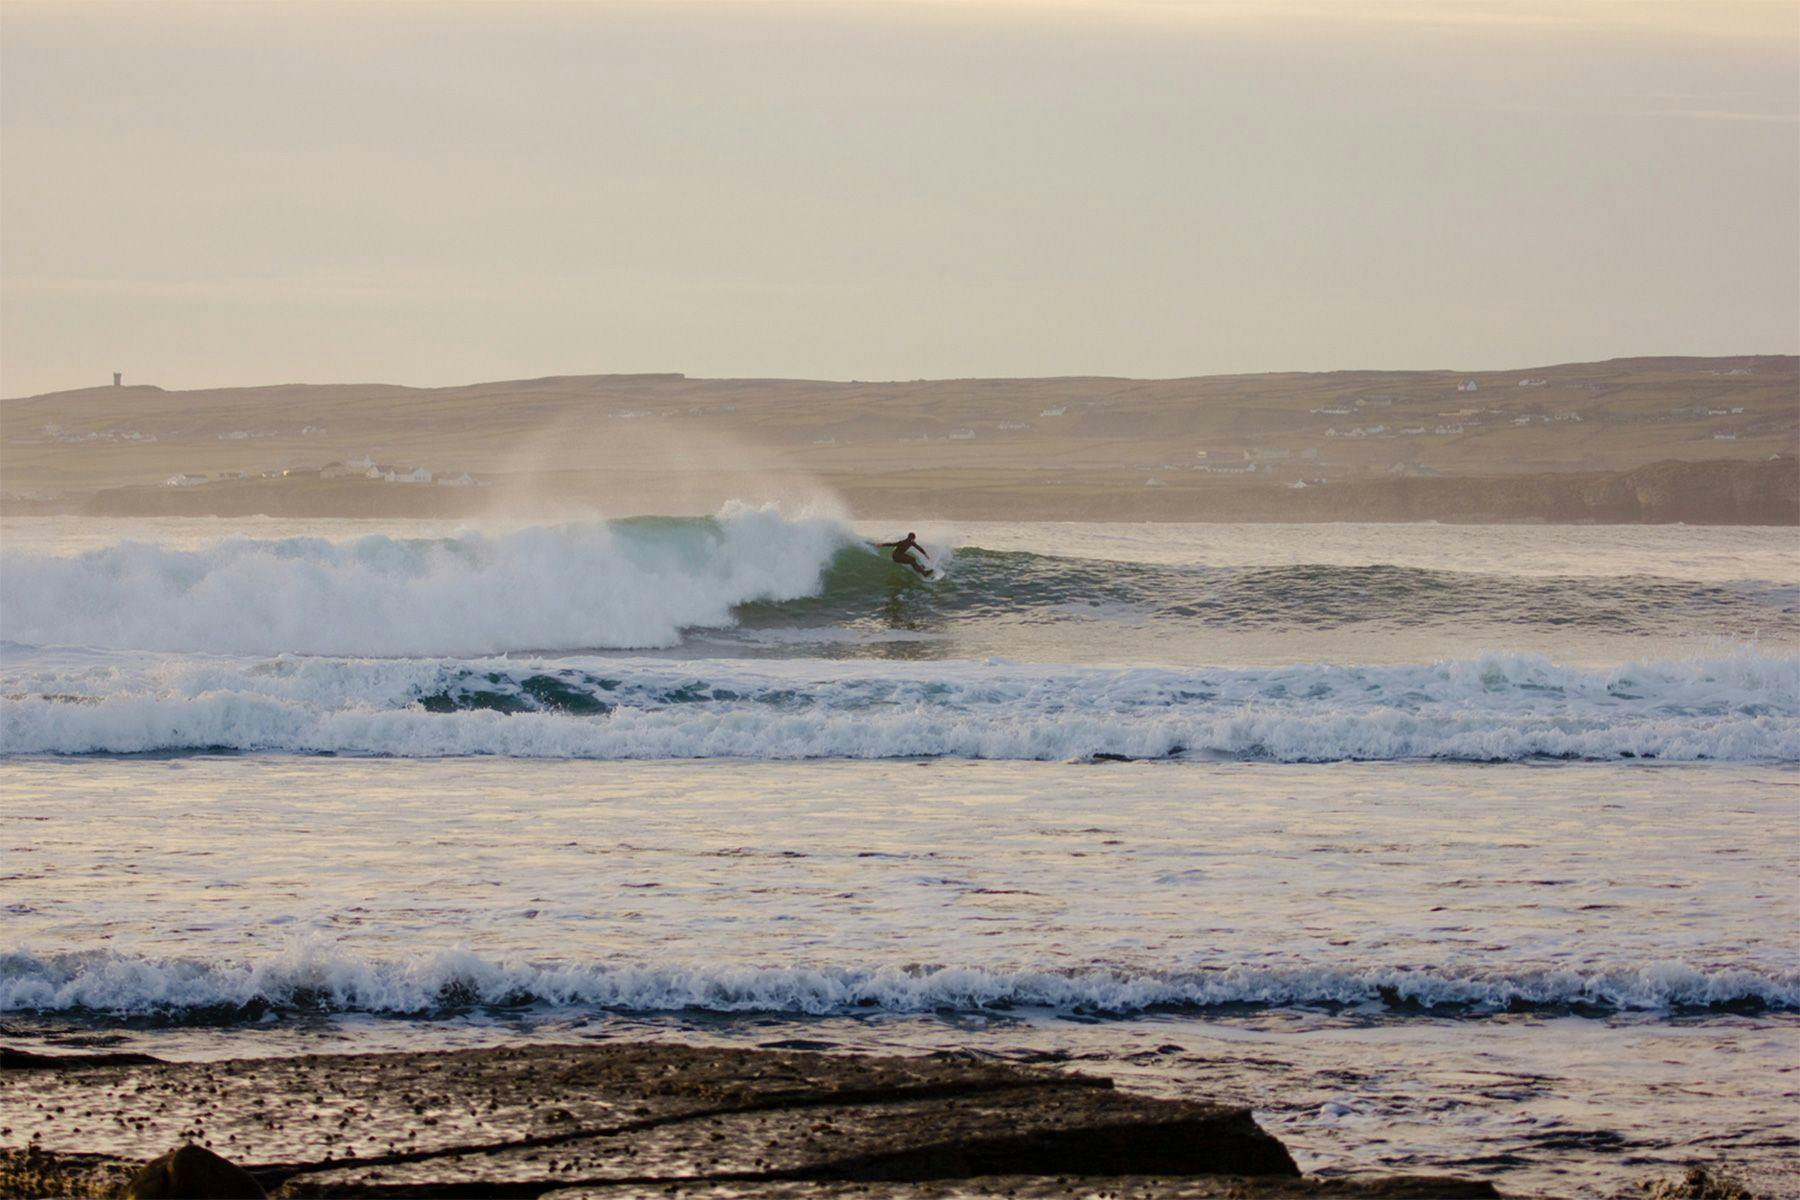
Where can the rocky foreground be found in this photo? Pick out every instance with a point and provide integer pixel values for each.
(626, 1120)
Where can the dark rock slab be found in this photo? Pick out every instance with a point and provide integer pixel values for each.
(1055, 1129)
(192, 1173)
(1038, 1187)
(26, 1060)
(620, 1119)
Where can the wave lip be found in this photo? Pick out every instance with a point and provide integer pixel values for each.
(1742, 707)
(619, 584)
(319, 979)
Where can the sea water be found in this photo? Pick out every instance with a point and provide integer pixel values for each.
(1460, 848)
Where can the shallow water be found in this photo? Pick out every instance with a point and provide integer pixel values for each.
(1525, 909)
(1551, 974)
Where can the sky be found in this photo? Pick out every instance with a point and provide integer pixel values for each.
(228, 194)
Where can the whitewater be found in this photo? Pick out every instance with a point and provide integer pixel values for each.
(627, 584)
(1467, 848)
(1496, 708)
(781, 638)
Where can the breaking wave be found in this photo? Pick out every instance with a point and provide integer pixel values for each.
(624, 584)
(1742, 707)
(513, 644)
(319, 979)
(645, 583)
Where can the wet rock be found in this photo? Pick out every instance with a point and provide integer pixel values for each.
(192, 1172)
(1698, 1184)
(30, 1174)
(619, 1119)
(1028, 1187)
(25, 1060)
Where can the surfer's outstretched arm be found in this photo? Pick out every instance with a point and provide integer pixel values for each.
(903, 553)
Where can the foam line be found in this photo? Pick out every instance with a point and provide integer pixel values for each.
(1742, 707)
(322, 978)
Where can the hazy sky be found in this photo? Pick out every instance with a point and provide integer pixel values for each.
(427, 193)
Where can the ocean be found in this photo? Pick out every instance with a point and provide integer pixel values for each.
(1455, 848)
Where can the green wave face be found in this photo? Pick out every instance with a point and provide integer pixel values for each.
(861, 585)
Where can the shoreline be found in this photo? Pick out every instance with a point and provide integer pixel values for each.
(621, 1119)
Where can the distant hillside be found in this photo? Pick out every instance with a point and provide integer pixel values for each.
(1723, 492)
(1660, 439)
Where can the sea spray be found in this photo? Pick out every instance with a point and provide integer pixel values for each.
(631, 584)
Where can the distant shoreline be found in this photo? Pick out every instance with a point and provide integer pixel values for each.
(1719, 492)
(1652, 440)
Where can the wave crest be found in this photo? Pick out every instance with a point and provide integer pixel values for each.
(621, 584)
(320, 979)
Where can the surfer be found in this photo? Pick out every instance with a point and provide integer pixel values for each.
(902, 553)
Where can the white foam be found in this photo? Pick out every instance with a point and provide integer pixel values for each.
(319, 976)
(587, 586)
(1741, 707)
